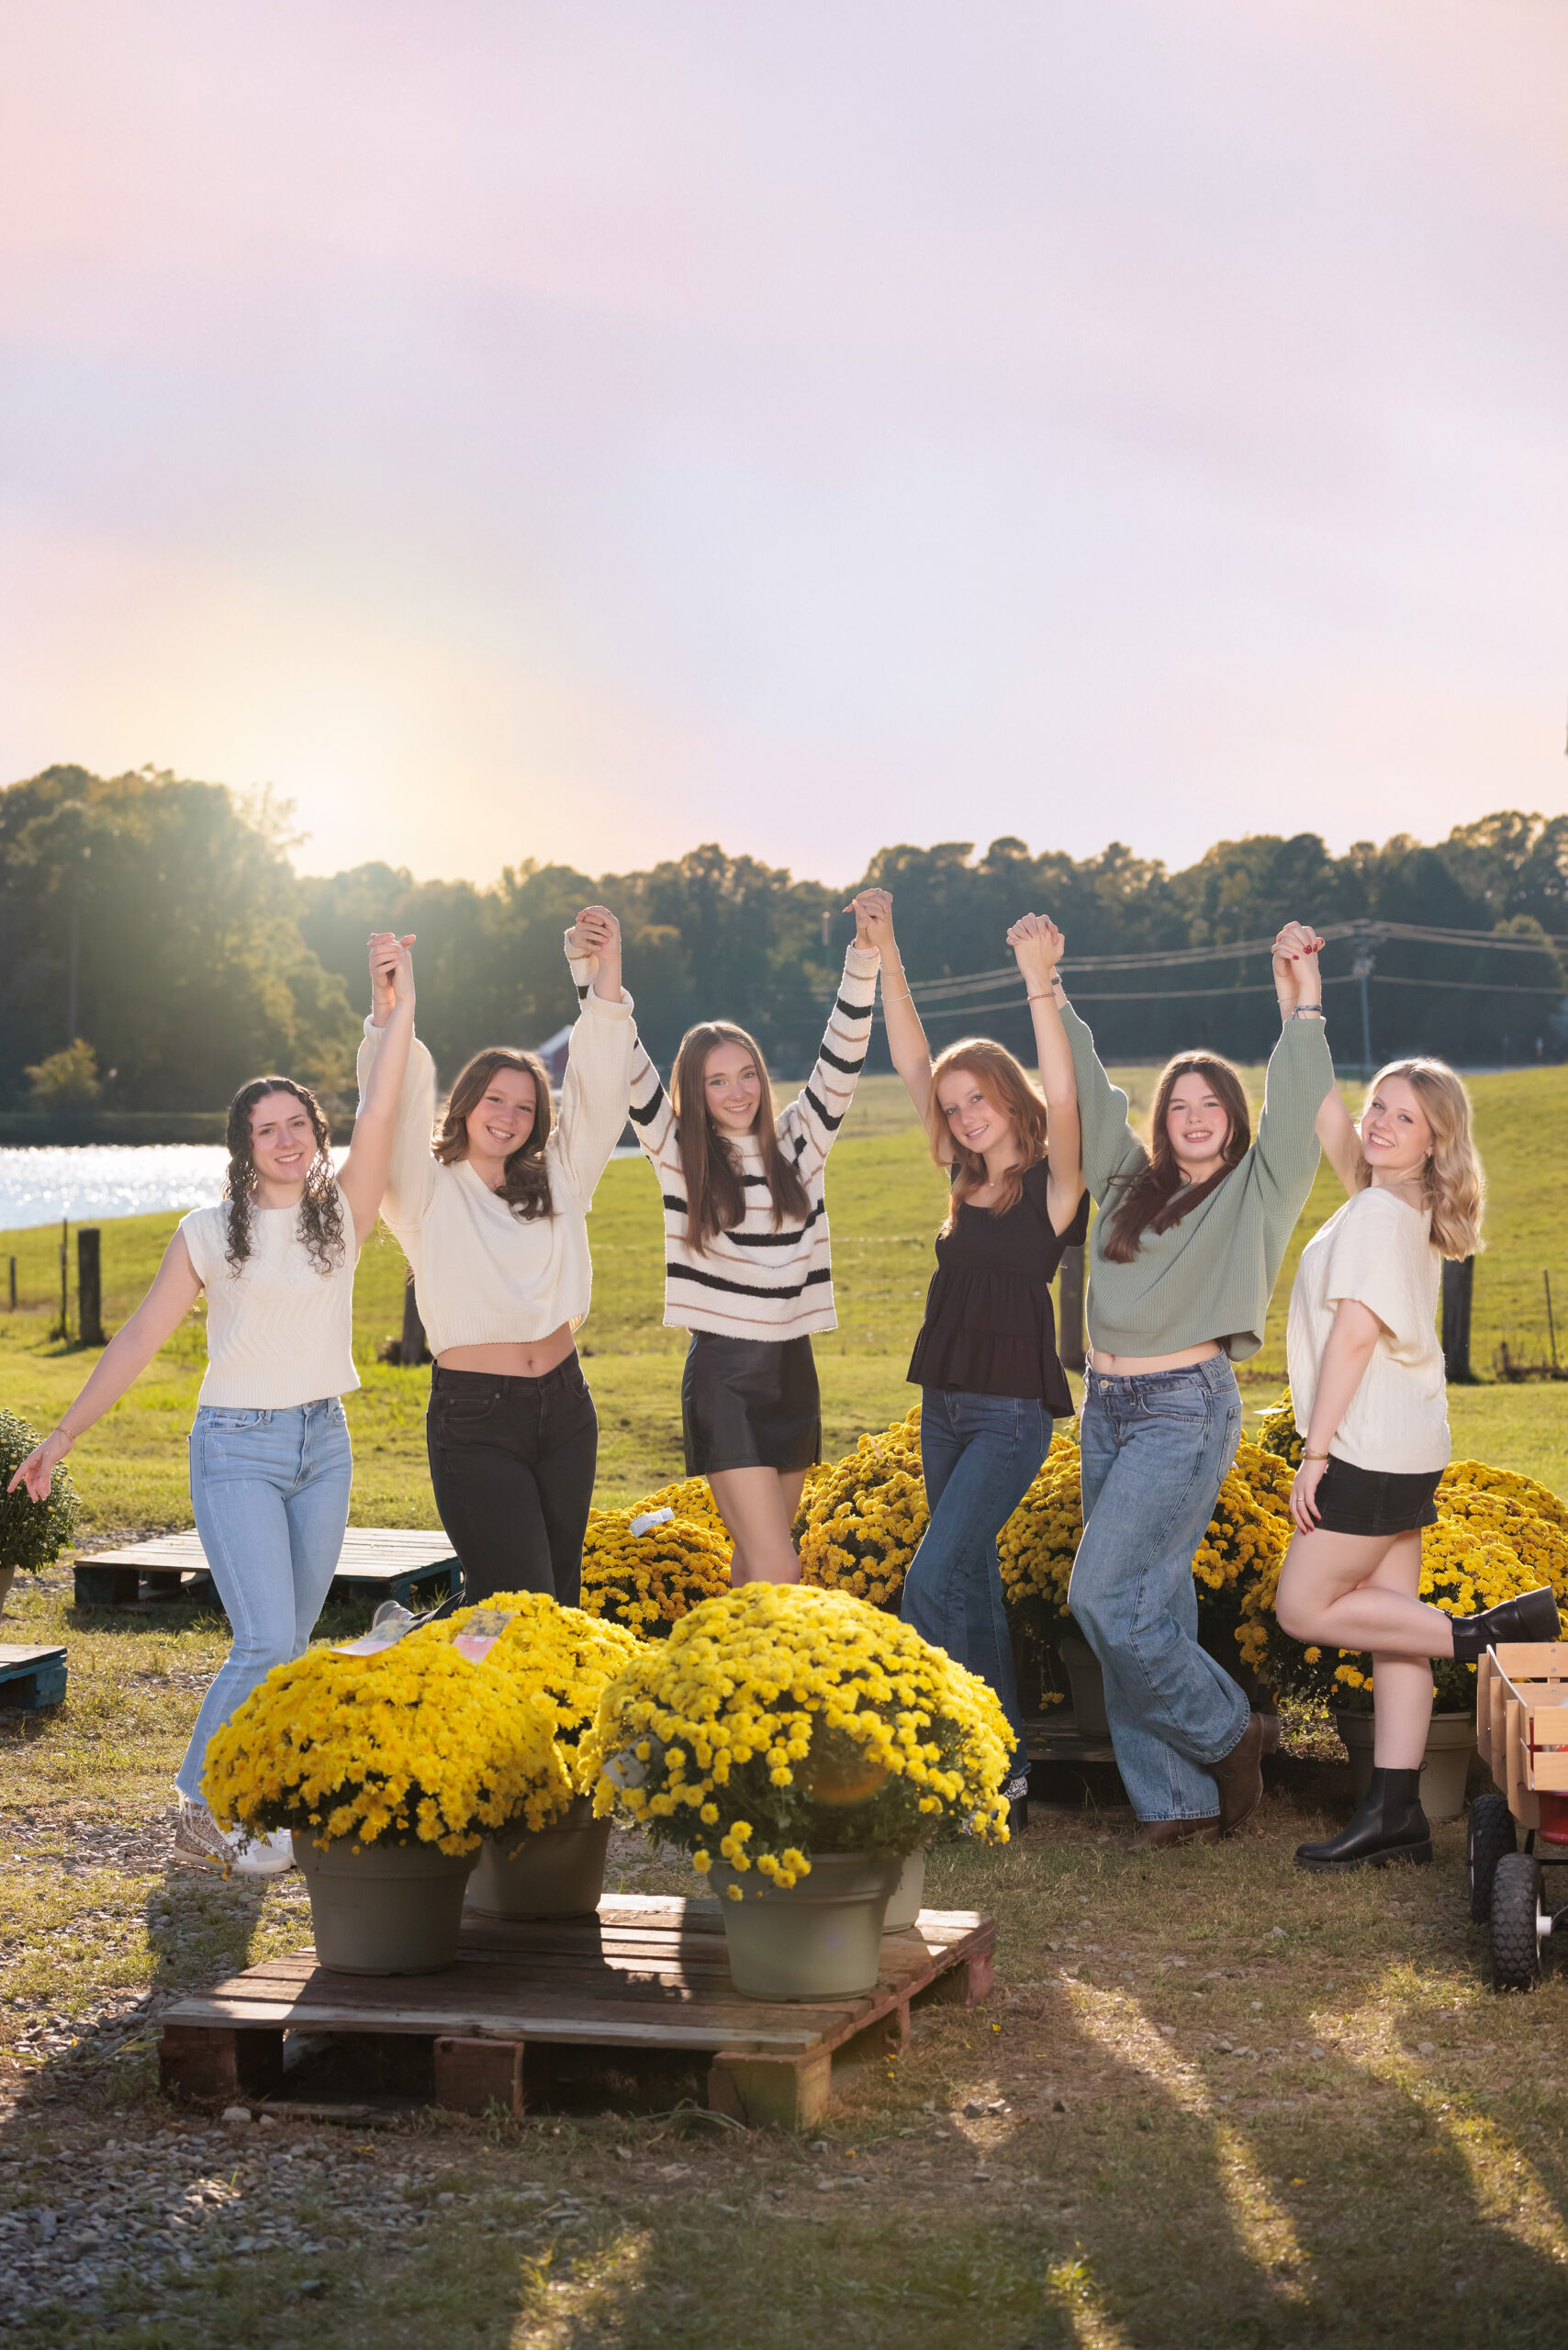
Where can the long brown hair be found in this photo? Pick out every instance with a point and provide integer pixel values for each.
(1007, 1084)
(715, 1196)
(1154, 1200)
(526, 1188)
(1452, 1180)
(320, 1223)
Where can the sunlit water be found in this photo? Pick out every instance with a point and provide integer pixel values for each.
(89, 1180)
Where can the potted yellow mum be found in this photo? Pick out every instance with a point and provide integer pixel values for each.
(547, 1863)
(648, 1579)
(387, 1767)
(798, 1744)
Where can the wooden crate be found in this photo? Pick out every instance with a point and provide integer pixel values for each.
(645, 1976)
(1521, 1723)
(32, 1678)
(376, 1563)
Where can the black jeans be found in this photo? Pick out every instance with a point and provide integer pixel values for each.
(512, 1463)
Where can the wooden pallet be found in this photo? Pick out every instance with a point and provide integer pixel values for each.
(32, 1678)
(645, 1975)
(376, 1563)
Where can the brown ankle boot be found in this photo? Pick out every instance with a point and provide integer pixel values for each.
(1155, 1835)
(1239, 1778)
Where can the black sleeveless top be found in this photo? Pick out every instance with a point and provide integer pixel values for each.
(989, 1328)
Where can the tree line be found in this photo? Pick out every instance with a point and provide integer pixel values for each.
(157, 946)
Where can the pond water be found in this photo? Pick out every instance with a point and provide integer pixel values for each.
(88, 1180)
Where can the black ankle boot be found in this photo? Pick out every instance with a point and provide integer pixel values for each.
(1531, 1617)
(1390, 1825)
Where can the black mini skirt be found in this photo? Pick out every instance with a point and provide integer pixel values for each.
(749, 1404)
(1374, 1501)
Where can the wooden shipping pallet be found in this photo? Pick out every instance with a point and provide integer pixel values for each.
(645, 1977)
(32, 1678)
(376, 1563)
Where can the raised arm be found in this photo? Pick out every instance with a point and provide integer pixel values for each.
(1109, 1147)
(362, 1177)
(811, 1121)
(409, 1184)
(174, 1290)
(647, 1103)
(1300, 1078)
(1298, 982)
(1038, 943)
(595, 1090)
(873, 912)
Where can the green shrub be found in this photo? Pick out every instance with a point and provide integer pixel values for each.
(32, 1534)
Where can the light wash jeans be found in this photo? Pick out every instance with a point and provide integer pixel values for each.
(981, 1455)
(271, 1495)
(1156, 1447)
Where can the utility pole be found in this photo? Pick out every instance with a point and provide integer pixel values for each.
(1362, 968)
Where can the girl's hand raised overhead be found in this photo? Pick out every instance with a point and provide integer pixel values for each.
(386, 950)
(1039, 946)
(873, 913)
(597, 935)
(1296, 978)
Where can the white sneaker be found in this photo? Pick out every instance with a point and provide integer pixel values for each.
(200, 1843)
(261, 1855)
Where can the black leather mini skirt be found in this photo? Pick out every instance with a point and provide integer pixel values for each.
(1374, 1501)
(749, 1404)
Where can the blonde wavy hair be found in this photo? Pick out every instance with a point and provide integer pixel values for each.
(1452, 1180)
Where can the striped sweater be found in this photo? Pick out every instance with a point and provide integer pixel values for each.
(757, 1282)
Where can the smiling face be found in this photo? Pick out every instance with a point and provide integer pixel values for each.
(732, 1088)
(970, 1113)
(1396, 1135)
(283, 1141)
(1197, 1123)
(502, 1119)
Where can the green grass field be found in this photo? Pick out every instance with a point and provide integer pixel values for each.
(1213, 2104)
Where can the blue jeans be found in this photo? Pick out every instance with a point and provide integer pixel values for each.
(1156, 1447)
(271, 1495)
(981, 1455)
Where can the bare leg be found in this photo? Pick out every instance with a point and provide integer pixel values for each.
(759, 1506)
(1402, 1685)
(1333, 1592)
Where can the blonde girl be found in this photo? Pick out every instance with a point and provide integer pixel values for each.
(1367, 1380)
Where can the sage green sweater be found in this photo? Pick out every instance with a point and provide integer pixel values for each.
(1210, 1276)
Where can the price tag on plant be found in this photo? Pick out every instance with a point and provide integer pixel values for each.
(380, 1636)
(481, 1632)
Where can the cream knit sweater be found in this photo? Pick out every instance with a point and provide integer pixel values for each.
(482, 1276)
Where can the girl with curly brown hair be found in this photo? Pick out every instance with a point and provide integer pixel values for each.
(271, 1464)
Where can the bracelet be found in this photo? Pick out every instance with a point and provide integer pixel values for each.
(1313, 1456)
(904, 991)
(1307, 1012)
(1046, 995)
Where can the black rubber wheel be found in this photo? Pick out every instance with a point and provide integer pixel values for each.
(1515, 1915)
(1490, 1834)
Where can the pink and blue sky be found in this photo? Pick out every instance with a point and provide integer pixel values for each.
(583, 430)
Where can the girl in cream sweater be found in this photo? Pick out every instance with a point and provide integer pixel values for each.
(492, 1217)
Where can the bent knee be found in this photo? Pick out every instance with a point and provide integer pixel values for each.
(1294, 1612)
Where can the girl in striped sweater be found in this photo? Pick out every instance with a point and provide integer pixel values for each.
(748, 1266)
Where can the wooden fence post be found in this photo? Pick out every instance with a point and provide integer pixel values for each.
(1070, 1335)
(89, 1288)
(1459, 1283)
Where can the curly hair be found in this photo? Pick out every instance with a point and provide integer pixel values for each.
(1008, 1087)
(1451, 1179)
(320, 1206)
(1156, 1197)
(526, 1190)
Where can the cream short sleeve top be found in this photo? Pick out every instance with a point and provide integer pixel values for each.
(279, 1333)
(1379, 1251)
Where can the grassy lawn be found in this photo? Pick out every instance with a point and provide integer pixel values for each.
(1213, 2102)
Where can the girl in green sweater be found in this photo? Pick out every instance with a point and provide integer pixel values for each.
(1184, 1252)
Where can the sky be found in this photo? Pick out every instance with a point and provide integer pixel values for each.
(580, 431)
